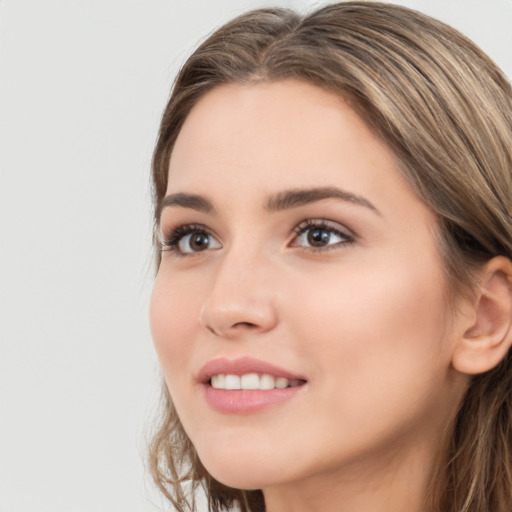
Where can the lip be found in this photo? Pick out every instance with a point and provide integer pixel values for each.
(245, 401)
(242, 365)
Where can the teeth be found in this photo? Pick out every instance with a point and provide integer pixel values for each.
(281, 383)
(232, 382)
(251, 381)
(267, 382)
(219, 381)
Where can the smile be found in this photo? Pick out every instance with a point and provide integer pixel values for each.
(252, 381)
(247, 385)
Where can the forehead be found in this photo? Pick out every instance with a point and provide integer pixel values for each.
(270, 136)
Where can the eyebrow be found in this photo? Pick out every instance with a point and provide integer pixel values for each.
(193, 201)
(299, 197)
(281, 201)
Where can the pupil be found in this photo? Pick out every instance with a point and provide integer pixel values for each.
(199, 242)
(318, 237)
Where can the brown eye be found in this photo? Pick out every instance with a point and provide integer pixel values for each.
(197, 241)
(190, 239)
(318, 237)
(321, 235)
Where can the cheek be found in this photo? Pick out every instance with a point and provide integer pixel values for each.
(171, 319)
(366, 324)
(377, 353)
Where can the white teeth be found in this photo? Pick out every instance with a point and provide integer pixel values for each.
(219, 381)
(267, 382)
(232, 382)
(251, 381)
(281, 383)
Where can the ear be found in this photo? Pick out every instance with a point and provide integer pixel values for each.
(488, 337)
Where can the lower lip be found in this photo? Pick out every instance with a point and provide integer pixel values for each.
(245, 401)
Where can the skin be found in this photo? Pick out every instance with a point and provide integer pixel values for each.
(363, 319)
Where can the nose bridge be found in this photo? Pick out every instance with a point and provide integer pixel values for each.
(239, 298)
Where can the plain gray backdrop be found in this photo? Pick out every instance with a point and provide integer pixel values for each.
(82, 88)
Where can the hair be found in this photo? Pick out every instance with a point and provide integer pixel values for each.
(445, 109)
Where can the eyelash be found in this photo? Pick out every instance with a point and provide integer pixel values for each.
(323, 225)
(171, 243)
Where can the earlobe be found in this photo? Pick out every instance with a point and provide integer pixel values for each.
(486, 341)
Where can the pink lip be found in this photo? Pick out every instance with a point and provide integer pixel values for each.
(244, 401)
(242, 365)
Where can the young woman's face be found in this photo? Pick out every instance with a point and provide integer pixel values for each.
(295, 254)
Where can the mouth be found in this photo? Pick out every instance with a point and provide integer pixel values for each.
(246, 385)
(247, 381)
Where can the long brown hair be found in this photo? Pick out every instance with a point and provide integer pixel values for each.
(446, 111)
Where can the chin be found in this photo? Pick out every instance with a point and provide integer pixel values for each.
(242, 471)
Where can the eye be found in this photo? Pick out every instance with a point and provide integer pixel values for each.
(320, 235)
(190, 239)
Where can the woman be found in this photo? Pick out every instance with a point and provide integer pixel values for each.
(332, 309)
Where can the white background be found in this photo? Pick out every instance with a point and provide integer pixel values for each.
(82, 87)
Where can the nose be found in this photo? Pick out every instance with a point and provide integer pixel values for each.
(241, 298)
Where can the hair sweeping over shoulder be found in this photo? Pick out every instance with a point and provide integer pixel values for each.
(445, 109)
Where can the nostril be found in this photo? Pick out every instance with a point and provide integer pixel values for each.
(245, 324)
(233, 318)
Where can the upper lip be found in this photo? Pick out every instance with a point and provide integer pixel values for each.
(241, 366)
